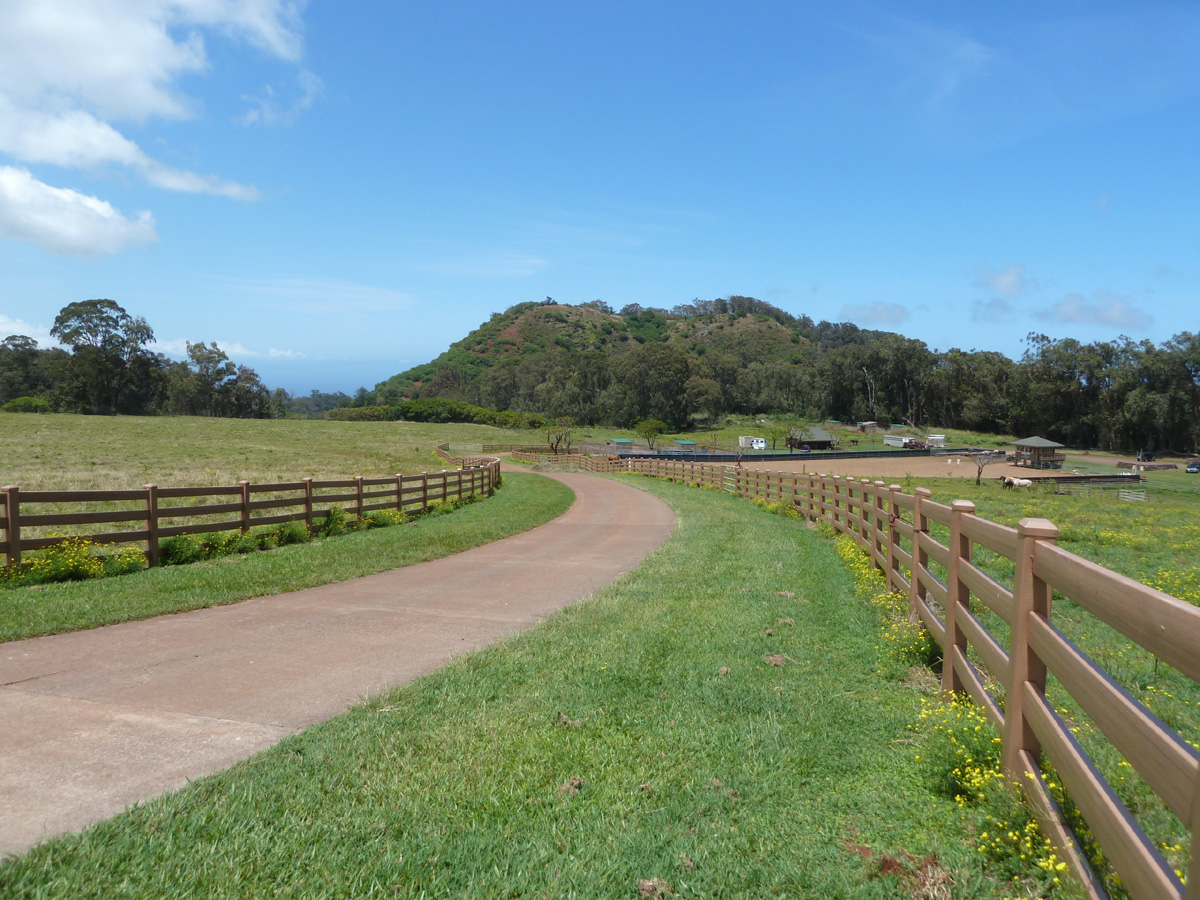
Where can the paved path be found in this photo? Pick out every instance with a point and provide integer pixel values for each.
(95, 720)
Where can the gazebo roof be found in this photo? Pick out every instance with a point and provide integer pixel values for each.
(1038, 442)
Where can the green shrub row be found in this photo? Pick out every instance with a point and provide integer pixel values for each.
(438, 410)
(77, 559)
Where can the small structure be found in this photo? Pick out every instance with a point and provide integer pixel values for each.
(810, 439)
(621, 445)
(685, 445)
(868, 427)
(935, 440)
(1038, 453)
(746, 442)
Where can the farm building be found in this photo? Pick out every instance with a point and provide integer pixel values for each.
(868, 427)
(685, 445)
(1038, 453)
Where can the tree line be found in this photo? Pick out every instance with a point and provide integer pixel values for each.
(108, 368)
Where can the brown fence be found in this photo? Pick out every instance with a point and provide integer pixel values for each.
(156, 513)
(947, 592)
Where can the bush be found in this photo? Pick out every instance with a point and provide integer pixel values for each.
(124, 561)
(27, 405)
(334, 522)
(180, 550)
(383, 518)
(219, 543)
(292, 533)
(69, 560)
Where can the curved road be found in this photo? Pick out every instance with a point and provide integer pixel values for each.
(96, 720)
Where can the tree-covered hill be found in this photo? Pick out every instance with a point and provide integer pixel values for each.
(699, 361)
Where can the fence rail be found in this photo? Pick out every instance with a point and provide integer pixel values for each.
(157, 513)
(894, 528)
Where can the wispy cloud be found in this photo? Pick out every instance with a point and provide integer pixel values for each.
(1010, 280)
(1104, 308)
(995, 310)
(490, 265)
(321, 295)
(176, 348)
(877, 313)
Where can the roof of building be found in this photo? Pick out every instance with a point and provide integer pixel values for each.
(620, 440)
(1038, 442)
(817, 434)
(683, 442)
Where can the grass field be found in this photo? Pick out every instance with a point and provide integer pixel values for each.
(70, 452)
(711, 725)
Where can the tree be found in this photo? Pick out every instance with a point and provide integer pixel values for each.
(110, 367)
(558, 434)
(649, 430)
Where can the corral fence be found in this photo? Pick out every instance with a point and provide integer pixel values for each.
(894, 528)
(155, 513)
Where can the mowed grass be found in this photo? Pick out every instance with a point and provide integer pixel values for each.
(713, 720)
(72, 452)
(524, 501)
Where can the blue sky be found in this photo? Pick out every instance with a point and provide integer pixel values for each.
(335, 191)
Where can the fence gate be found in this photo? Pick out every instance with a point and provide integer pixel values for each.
(730, 479)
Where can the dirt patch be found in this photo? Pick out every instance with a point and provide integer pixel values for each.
(891, 469)
(654, 887)
(571, 788)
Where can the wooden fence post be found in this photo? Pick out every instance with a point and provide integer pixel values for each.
(893, 566)
(1032, 598)
(1193, 886)
(358, 497)
(958, 595)
(445, 486)
(244, 516)
(864, 539)
(12, 511)
(308, 503)
(920, 556)
(878, 535)
(458, 496)
(837, 489)
(424, 491)
(400, 492)
(152, 524)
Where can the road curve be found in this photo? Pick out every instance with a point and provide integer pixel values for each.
(96, 720)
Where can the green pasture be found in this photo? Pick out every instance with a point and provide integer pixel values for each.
(74, 452)
(710, 725)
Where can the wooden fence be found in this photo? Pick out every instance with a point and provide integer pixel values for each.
(156, 513)
(894, 528)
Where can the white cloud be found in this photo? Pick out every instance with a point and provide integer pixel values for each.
(877, 313)
(1105, 308)
(66, 221)
(39, 333)
(70, 68)
(1011, 280)
(995, 310)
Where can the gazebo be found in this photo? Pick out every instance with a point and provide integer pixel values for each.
(1038, 453)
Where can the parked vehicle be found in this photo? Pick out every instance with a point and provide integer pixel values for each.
(1193, 467)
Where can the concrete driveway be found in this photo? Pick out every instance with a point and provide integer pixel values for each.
(96, 720)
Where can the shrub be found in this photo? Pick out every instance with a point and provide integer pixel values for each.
(219, 543)
(292, 533)
(334, 522)
(383, 518)
(124, 561)
(265, 540)
(180, 550)
(27, 405)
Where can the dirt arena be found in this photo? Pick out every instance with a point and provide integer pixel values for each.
(893, 469)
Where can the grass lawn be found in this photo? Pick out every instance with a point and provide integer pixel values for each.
(524, 501)
(713, 720)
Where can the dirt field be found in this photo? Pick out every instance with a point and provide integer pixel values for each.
(893, 469)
